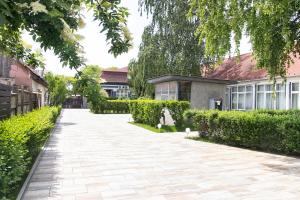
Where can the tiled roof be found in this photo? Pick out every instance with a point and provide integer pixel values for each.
(115, 76)
(123, 69)
(245, 69)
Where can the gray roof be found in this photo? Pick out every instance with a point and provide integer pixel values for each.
(169, 78)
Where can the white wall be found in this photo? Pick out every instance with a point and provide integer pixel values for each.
(275, 100)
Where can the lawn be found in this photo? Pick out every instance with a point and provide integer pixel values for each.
(164, 128)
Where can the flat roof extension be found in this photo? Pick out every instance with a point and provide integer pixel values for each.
(169, 78)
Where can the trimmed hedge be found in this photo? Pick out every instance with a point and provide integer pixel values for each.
(113, 107)
(273, 131)
(150, 111)
(21, 139)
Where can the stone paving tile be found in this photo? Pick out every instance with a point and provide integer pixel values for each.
(102, 157)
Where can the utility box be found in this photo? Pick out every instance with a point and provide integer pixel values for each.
(216, 103)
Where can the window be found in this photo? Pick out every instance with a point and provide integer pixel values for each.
(267, 99)
(242, 97)
(184, 91)
(280, 97)
(295, 96)
(166, 91)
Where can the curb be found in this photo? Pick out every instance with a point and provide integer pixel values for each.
(36, 162)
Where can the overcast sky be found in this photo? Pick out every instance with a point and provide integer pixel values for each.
(95, 46)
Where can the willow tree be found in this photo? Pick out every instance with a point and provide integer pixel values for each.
(169, 45)
(273, 28)
(53, 23)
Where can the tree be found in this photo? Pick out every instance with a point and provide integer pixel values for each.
(173, 33)
(57, 88)
(168, 46)
(273, 28)
(138, 80)
(54, 23)
(88, 85)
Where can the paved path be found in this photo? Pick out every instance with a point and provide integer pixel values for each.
(103, 157)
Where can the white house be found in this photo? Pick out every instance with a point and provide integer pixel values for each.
(234, 85)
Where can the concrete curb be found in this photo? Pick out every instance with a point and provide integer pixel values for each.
(36, 162)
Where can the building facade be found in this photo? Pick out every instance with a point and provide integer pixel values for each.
(236, 85)
(28, 87)
(115, 83)
(203, 93)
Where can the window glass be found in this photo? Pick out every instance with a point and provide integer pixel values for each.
(269, 101)
(234, 101)
(234, 89)
(241, 101)
(295, 100)
(280, 87)
(295, 87)
(249, 101)
(241, 89)
(261, 88)
(280, 100)
(249, 88)
(260, 101)
(268, 87)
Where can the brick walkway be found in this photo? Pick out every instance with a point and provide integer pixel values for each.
(103, 157)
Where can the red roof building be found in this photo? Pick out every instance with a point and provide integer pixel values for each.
(115, 76)
(115, 82)
(245, 69)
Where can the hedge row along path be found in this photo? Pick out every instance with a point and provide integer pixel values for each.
(103, 157)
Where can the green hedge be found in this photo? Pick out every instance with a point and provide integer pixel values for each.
(274, 131)
(150, 111)
(21, 139)
(113, 106)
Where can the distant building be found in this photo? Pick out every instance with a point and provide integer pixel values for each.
(234, 85)
(29, 88)
(115, 82)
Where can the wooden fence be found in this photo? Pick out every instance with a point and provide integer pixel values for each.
(17, 100)
(23, 101)
(5, 96)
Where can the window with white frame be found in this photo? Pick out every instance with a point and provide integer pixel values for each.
(242, 97)
(265, 97)
(166, 91)
(295, 96)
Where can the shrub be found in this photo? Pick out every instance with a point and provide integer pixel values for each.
(277, 131)
(21, 138)
(112, 106)
(176, 109)
(150, 111)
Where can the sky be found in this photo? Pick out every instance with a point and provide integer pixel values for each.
(96, 48)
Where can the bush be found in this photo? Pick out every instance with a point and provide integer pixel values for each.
(21, 138)
(275, 131)
(112, 106)
(150, 111)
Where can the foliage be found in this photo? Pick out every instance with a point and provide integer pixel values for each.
(88, 85)
(113, 106)
(57, 87)
(176, 109)
(273, 28)
(169, 45)
(268, 131)
(21, 139)
(151, 111)
(53, 23)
